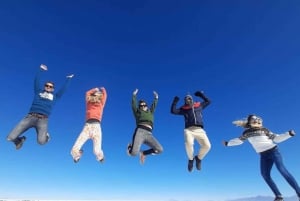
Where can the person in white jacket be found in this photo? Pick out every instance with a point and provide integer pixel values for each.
(265, 143)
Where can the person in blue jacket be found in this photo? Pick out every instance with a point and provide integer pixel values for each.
(194, 128)
(37, 117)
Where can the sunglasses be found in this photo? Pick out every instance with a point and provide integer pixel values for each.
(255, 119)
(143, 105)
(49, 86)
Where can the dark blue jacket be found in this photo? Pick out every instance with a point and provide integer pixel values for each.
(192, 114)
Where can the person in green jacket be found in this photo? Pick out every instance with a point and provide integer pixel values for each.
(144, 118)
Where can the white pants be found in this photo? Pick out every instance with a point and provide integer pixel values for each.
(90, 131)
(192, 133)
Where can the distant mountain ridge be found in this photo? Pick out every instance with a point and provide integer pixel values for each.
(265, 198)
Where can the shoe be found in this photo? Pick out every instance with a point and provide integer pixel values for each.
(190, 165)
(48, 137)
(20, 143)
(142, 158)
(129, 147)
(102, 160)
(76, 160)
(198, 163)
(278, 198)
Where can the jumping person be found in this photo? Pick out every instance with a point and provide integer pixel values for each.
(95, 102)
(265, 144)
(144, 118)
(42, 105)
(194, 128)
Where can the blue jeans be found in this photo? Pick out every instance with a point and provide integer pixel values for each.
(267, 159)
(29, 121)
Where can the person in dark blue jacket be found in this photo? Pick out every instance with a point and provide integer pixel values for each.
(194, 128)
(37, 117)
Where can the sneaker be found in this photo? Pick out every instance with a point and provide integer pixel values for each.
(142, 158)
(129, 147)
(278, 198)
(20, 143)
(198, 163)
(102, 160)
(48, 137)
(76, 160)
(190, 165)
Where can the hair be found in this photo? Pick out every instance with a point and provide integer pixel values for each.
(94, 98)
(244, 122)
(50, 82)
(142, 101)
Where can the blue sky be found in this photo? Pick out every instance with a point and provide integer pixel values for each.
(243, 54)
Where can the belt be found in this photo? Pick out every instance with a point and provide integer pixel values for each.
(38, 115)
(145, 127)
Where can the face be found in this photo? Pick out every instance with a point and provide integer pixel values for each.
(255, 122)
(143, 106)
(49, 87)
(188, 101)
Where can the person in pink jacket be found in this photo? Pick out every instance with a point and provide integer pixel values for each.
(95, 102)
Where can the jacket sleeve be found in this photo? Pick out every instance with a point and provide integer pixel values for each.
(277, 138)
(235, 142)
(64, 88)
(37, 82)
(153, 105)
(175, 110)
(134, 104)
(206, 102)
(104, 97)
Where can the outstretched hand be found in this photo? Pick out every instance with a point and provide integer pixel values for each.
(155, 94)
(224, 143)
(135, 91)
(43, 67)
(198, 93)
(70, 76)
(292, 132)
(176, 99)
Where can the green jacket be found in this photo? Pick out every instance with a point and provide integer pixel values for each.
(145, 117)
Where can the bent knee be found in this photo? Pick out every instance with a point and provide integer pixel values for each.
(158, 151)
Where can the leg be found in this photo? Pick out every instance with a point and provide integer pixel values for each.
(26, 123)
(97, 141)
(284, 172)
(189, 147)
(266, 163)
(203, 141)
(138, 140)
(152, 142)
(81, 139)
(42, 131)
(189, 143)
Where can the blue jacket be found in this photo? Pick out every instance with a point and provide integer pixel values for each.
(44, 101)
(192, 114)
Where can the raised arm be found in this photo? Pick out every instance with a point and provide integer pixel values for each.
(155, 101)
(65, 86)
(174, 110)
(37, 81)
(134, 101)
(201, 95)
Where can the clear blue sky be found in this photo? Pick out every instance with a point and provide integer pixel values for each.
(244, 55)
